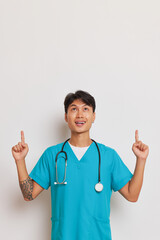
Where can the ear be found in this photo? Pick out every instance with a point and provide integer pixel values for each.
(94, 116)
(65, 117)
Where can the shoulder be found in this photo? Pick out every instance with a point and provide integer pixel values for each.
(53, 149)
(105, 149)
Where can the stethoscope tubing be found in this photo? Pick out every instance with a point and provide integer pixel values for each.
(63, 182)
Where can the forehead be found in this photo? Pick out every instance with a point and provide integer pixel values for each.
(78, 102)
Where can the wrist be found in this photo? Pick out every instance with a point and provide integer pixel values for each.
(141, 159)
(20, 162)
(140, 162)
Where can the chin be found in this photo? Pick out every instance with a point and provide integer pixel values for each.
(79, 131)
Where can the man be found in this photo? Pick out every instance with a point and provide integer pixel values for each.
(79, 211)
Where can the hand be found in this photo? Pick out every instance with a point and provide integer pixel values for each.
(20, 150)
(140, 149)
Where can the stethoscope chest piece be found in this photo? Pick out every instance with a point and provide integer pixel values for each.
(99, 187)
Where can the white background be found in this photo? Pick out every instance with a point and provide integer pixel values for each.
(50, 48)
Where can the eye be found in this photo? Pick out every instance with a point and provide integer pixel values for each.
(73, 108)
(86, 108)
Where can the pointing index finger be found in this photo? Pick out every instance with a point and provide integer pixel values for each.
(22, 137)
(136, 136)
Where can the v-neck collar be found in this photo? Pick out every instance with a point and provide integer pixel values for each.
(73, 154)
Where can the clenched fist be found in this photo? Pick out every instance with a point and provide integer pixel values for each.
(20, 150)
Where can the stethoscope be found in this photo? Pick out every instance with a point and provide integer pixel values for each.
(98, 186)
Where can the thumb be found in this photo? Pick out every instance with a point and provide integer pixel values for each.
(24, 144)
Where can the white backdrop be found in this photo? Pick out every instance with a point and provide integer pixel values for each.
(50, 48)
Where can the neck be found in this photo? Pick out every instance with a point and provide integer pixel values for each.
(80, 140)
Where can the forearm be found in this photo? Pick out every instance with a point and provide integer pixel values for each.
(135, 183)
(25, 182)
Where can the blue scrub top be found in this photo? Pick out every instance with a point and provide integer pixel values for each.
(78, 211)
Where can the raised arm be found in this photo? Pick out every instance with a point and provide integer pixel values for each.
(30, 189)
(132, 189)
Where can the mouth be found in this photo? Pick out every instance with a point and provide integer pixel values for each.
(80, 123)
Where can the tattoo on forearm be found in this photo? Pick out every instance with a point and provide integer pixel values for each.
(27, 188)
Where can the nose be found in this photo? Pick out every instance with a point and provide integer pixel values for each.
(79, 113)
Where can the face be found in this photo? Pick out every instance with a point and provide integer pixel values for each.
(79, 116)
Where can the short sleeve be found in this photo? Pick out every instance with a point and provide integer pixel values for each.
(120, 173)
(40, 172)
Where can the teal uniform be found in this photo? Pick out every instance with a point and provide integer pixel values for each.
(78, 211)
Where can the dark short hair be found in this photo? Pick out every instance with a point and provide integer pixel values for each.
(79, 94)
